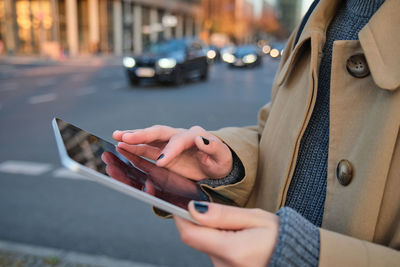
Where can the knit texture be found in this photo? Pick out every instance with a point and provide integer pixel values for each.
(307, 189)
(236, 174)
(298, 241)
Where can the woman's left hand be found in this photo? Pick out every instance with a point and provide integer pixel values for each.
(231, 236)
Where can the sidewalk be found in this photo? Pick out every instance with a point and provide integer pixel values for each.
(21, 255)
(100, 60)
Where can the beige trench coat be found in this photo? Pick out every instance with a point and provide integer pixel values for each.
(361, 222)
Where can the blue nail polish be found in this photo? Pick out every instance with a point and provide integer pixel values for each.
(161, 156)
(201, 207)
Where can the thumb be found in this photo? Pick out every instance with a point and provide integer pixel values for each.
(227, 217)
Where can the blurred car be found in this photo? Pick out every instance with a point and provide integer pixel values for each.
(170, 61)
(213, 53)
(276, 50)
(243, 56)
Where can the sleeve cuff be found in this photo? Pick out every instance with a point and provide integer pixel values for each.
(298, 241)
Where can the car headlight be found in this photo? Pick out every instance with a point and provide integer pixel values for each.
(166, 63)
(129, 62)
(250, 58)
(266, 49)
(274, 53)
(211, 54)
(227, 57)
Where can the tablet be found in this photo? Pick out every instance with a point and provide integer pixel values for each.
(133, 175)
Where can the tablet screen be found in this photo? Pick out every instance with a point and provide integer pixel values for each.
(127, 168)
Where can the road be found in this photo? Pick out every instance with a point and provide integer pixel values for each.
(42, 205)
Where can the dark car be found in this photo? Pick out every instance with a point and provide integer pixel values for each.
(243, 56)
(170, 61)
(213, 53)
(277, 50)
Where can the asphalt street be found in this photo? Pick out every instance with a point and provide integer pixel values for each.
(42, 205)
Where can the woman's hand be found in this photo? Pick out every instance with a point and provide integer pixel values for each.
(192, 153)
(230, 236)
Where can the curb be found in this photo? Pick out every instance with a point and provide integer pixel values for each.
(63, 257)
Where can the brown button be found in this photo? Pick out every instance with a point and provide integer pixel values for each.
(344, 172)
(357, 66)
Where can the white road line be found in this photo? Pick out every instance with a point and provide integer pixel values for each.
(42, 98)
(24, 167)
(65, 173)
(86, 91)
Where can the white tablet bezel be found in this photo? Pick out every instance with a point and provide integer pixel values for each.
(74, 166)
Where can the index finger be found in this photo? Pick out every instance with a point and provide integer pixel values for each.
(149, 135)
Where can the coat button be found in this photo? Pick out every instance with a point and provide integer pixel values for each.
(344, 172)
(357, 66)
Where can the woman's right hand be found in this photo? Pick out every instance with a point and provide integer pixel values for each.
(193, 153)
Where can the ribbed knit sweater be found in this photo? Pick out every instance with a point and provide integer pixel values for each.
(298, 241)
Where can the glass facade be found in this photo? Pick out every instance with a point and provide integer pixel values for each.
(34, 22)
(31, 25)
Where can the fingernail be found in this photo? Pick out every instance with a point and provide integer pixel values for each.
(161, 156)
(205, 141)
(144, 188)
(201, 207)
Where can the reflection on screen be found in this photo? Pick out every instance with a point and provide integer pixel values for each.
(127, 168)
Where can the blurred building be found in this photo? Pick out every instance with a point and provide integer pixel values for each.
(232, 18)
(268, 24)
(290, 13)
(78, 27)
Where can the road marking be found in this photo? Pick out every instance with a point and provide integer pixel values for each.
(24, 167)
(65, 173)
(86, 91)
(42, 98)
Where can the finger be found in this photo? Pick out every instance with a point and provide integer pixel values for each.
(204, 239)
(117, 135)
(146, 151)
(228, 217)
(176, 145)
(149, 135)
(216, 149)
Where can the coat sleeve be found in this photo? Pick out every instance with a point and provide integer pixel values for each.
(348, 251)
(245, 143)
